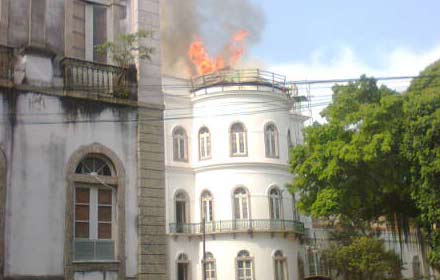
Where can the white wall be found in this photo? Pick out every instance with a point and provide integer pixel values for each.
(225, 249)
(45, 134)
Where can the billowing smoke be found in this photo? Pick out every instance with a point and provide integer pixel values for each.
(213, 21)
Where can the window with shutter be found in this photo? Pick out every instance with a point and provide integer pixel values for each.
(94, 213)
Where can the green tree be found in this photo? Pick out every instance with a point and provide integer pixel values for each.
(363, 259)
(421, 147)
(351, 169)
(124, 51)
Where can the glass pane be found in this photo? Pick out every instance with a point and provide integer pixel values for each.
(208, 146)
(237, 208)
(180, 212)
(182, 271)
(182, 149)
(82, 195)
(234, 143)
(81, 230)
(105, 213)
(241, 137)
(202, 148)
(245, 208)
(104, 231)
(82, 212)
(105, 197)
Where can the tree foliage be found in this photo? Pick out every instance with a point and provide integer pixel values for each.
(363, 259)
(378, 155)
(350, 168)
(127, 48)
(421, 147)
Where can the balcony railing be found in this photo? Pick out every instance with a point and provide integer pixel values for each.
(240, 77)
(238, 226)
(98, 78)
(6, 64)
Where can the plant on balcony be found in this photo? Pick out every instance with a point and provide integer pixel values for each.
(123, 52)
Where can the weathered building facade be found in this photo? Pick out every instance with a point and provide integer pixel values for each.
(81, 143)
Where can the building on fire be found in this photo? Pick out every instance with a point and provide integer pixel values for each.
(81, 157)
(227, 137)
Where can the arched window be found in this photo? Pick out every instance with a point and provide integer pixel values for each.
(280, 267)
(271, 140)
(204, 143)
(245, 269)
(94, 211)
(238, 140)
(209, 265)
(182, 267)
(416, 267)
(180, 141)
(206, 210)
(241, 204)
(275, 204)
(181, 210)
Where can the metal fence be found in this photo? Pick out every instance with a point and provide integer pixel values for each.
(238, 226)
(240, 77)
(6, 63)
(99, 78)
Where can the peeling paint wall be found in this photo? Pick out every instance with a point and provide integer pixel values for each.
(39, 135)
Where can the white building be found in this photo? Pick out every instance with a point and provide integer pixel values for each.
(227, 139)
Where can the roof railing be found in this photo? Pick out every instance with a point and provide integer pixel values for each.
(240, 77)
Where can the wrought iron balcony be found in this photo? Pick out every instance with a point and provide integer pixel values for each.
(6, 65)
(238, 226)
(102, 79)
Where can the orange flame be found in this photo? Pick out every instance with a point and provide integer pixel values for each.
(204, 64)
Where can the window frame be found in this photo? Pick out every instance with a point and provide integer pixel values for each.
(280, 260)
(271, 141)
(240, 197)
(207, 203)
(182, 259)
(205, 151)
(244, 259)
(278, 200)
(237, 136)
(179, 138)
(118, 180)
(210, 260)
(93, 204)
(187, 208)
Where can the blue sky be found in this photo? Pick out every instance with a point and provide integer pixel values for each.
(332, 39)
(321, 31)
